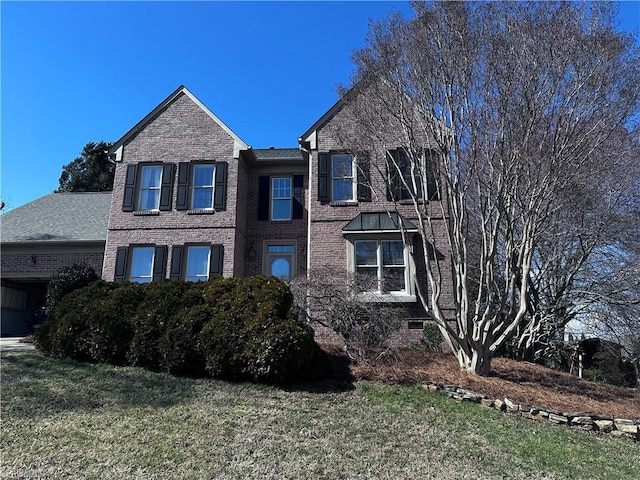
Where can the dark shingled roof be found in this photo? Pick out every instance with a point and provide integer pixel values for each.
(58, 217)
(277, 154)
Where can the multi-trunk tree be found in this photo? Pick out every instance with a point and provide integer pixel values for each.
(518, 100)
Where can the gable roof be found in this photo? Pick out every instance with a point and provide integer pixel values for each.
(58, 217)
(239, 144)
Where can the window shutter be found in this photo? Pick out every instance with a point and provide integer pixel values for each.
(433, 192)
(129, 199)
(182, 200)
(160, 263)
(220, 192)
(364, 177)
(176, 262)
(393, 181)
(166, 189)
(121, 264)
(323, 177)
(263, 197)
(298, 194)
(215, 261)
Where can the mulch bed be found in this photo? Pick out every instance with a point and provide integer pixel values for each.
(522, 382)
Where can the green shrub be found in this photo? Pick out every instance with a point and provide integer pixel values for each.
(432, 337)
(159, 303)
(66, 280)
(180, 349)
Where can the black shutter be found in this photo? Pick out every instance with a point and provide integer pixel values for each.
(298, 194)
(176, 262)
(215, 262)
(182, 200)
(166, 189)
(121, 264)
(220, 192)
(129, 199)
(393, 180)
(433, 192)
(160, 263)
(323, 177)
(263, 197)
(364, 177)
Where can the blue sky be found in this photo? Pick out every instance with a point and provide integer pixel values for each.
(88, 71)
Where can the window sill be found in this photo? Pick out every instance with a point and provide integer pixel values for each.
(146, 213)
(349, 203)
(410, 202)
(209, 211)
(374, 297)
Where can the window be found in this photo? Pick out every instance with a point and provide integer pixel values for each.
(148, 188)
(197, 263)
(280, 198)
(280, 260)
(150, 183)
(342, 178)
(203, 185)
(380, 266)
(142, 264)
(403, 172)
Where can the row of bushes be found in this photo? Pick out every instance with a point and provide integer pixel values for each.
(237, 329)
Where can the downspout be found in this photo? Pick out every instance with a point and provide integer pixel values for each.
(307, 151)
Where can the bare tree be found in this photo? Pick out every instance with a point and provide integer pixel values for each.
(515, 100)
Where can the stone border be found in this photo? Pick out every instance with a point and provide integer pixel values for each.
(619, 427)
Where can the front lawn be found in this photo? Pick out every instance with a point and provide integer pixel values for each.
(62, 419)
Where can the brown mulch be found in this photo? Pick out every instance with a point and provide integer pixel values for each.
(522, 382)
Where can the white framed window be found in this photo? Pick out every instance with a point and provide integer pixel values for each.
(343, 178)
(382, 267)
(280, 260)
(198, 258)
(150, 184)
(142, 259)
(281, 198)
(203, 182)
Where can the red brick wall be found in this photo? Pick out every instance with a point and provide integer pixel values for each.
(42, 261)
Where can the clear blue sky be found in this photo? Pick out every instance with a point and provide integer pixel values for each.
(88, 71)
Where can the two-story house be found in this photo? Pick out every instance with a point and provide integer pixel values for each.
(192, 200)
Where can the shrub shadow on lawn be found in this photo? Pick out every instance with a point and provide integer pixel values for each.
(56, 386)
(340, 378)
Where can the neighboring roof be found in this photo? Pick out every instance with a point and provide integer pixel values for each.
(239, 143)
(377, 222)
(263, 154)
(58, 217)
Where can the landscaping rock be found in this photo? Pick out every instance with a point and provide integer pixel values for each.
(511, 406)
(486, 402)
(631, 429)
(604, 425)
(500, 405)
(559, 419)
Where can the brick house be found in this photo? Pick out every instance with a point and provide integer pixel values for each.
(192, 200)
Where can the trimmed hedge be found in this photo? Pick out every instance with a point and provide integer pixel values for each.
(227, 328)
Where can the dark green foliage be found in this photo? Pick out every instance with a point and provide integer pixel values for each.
(180, 350)
(66, 280)
(160, 302)
(229, 328)
(431, 337)
(90, 172)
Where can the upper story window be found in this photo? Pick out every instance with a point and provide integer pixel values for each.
(150, 183)
(203, 186)
(281, 198)
(148, 187)
(343, 177)
(405, 175)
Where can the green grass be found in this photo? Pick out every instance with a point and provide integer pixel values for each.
(62, 419)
